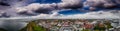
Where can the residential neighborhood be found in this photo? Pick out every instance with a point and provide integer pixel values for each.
(78, 24)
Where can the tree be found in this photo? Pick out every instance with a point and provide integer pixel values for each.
(1, 29)
(32, 26)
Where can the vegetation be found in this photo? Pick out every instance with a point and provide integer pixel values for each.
(99, 28)
(108, 24)
(86, 30)
(2, 29)
(32, 26)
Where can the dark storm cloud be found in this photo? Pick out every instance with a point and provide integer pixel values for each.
(68, 4)
(47, 8)
(8, 6)
(4, 4)
(102, 3)
(37, 8)
(117, 1)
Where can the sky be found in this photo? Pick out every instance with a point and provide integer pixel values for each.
(73, 9)
(27, 10)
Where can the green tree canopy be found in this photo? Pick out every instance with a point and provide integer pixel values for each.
(32, 26)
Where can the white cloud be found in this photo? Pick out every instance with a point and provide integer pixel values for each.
(19, 3)
(69, 4)
(72, 2)
(102, 3)
(117, 1)
(92, 16)
(10, 10)
(50, 7)
(46, 8)
(89, 15)
(37, 7)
